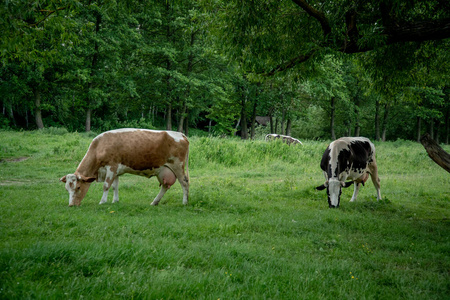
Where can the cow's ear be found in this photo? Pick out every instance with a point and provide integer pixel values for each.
(346, 184)
(87, 179)
(322, 187)
(63, 179)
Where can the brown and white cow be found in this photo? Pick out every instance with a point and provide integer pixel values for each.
(141, 152)
(285, 138)
(348, 158)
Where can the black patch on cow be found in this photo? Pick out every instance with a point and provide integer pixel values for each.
(361, 154)
(347, 184)
(321, 187)
(356, 157)
(325, 162)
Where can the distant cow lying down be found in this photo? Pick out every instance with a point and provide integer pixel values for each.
(285, 138)
(148, 153)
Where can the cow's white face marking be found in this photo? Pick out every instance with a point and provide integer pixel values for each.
(334, 190)
(71, 186)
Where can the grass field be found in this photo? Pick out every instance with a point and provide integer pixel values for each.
(255, 227)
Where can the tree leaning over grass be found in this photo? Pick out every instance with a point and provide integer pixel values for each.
(289, 33)
(271, 36)
(435, 152)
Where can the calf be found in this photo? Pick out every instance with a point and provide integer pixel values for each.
(285, 138)
(348, 158)
(141, 152)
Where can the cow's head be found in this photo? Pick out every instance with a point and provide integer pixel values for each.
(77, 186)
(334, 191)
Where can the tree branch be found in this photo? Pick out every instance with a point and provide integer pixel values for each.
(318, 15)
(409, 32)
(293, 62)
(49, 13)
(418, 31)
(435, 152)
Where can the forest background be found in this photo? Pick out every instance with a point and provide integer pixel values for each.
(313, 69)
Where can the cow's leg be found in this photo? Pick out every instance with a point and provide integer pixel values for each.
(183, 180)
(185, 186)
(109, 179)
(115, 186)
(105, 193)
(375, 179)
(160, 195)
(355, 192)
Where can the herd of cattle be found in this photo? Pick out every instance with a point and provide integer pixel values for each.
(165, 154)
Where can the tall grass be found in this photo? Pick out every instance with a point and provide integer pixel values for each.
(255, 227)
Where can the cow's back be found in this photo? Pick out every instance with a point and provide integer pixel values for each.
(361, 153)
(347, 153)
(139, 149)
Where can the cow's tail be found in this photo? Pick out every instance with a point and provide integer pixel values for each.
(187, 165)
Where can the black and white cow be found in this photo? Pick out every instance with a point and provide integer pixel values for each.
(348, 158)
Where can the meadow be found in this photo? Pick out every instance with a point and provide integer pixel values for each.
(255, 227)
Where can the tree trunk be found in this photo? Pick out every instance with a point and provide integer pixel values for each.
(37, 109)
(377, 120)
(190, 65)
(186, 125)
(432, 128)
(288, 127)
(244, 128)
(93, 65)
(435, 152)
(271, 123)
(385, 119)
(11, 113)
(88, 119)
(276, 126)
(235, 128)
(182, 117)
(283, 119)
(447, 125)
(438, 130)
(333, 135)
(169, 37)
(252, 126)
(357, 124)
(169, 117)
(419, 128)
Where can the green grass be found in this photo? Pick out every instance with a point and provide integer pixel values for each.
(255, 227)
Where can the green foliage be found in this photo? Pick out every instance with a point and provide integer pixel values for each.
(200, 63)
(255, 226)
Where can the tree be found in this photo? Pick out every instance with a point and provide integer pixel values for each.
(287, 33)
(329, 88)
(31, 37)
(436, 153)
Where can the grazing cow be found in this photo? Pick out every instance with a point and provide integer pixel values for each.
(285, 138)
(348, 158)
(141, 152)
